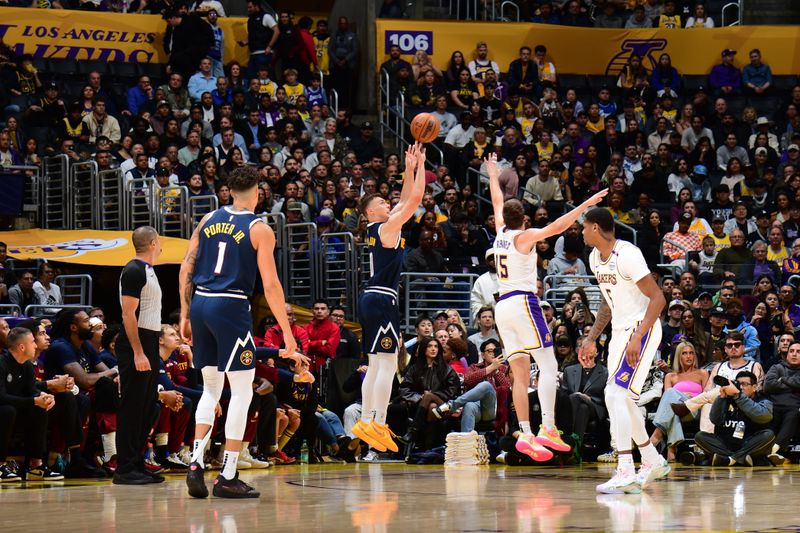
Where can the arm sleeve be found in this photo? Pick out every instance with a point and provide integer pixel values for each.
(759, 412)
(773, 383)
(132, 280)
(631, 264)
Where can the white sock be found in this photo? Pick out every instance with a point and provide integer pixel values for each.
(525, 427)
(649, 454)
(109, 445)
(229, 460)
(198, 451)
(625, 462)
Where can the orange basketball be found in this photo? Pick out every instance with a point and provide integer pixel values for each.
(425, 127)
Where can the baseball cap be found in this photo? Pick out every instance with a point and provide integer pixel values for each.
(676, 303)
(722, 187)
(762, 213)
(718, 310)
(718, 218)
(704, 294)
(51, 85)
(728, 52)
(762, 121)
(325, 216)
(94, 322)
(545, 303)
(162, 171)
(700, 169)
(366, 126)
(488, 253)
(761, 150)
(293, 206)
(793, 147)
(686, 216)
(162, 102)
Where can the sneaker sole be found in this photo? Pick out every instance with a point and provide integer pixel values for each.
(656, 474)
(195, 481)
(557, 446)
(633, 488)
(538, 455)
(389, 445)
(369, 439)
(236, 496)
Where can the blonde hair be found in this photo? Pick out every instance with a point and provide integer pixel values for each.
(676, 359)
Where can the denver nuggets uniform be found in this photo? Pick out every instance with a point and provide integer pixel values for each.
(225, 274)
(378, 311)
(617, 277)
(519, 318)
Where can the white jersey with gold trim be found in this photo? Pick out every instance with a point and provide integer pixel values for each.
(617, 277)
(515, 271)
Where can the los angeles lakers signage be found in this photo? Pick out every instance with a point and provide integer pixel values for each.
(86, 247)
(589, 50)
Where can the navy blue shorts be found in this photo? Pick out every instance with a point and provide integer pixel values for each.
(222, 332)
(380, 320)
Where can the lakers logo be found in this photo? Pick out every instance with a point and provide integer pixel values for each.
(66, 249)
(624, 377)
(246, 358)
(386, 343)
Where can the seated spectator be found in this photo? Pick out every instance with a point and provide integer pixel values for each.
(22, 294)
(323, 335)
(608, 18)
(783, 385)
(735, 261)
(49, 293)
(486, 329)
(546, 14)
(426, 258)
(725, 78)
(685, 381)
(427, 383)
(101, 124)
(575, 16)
(481, 64)
(777, 251)
(741, 417)
(542, 188)
(756, 76)
(546, 69)
(638, 19)
(522, 76)
(23, 407)
(740, 219)
(688, 242)
(273, 337)
(585, 385)
(788, 299)
(731, 150)
(568, 262)
(139, 96)
(485, 290)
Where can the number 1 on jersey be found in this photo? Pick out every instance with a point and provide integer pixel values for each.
(220, 258)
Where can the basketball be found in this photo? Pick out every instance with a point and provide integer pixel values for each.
(425, 127)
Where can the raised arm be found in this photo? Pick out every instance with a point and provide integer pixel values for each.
(391, 229)
(409, 179)
(495, 190)
(530, 237)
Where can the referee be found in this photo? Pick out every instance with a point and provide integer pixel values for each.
(138, 359)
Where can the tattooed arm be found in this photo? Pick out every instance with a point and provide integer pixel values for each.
(602, 319)
(185, 281)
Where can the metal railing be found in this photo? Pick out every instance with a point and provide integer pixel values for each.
(301, 263)
(10, 310)
(31, 192)
(83, 192)
(200, 206)
(51, 310)
(634, 233)
(363, 265)
(333, 101)
(338, 281)
(141, 204)
(76, 289)
(561, 285)
(507, 3)
(277, 221)
(731, 21)
(55, 192)
(173, 211)
(432, 292)
(110, 200)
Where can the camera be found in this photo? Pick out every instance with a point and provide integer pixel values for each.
(724, 382)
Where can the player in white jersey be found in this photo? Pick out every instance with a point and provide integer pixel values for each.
(632, 302)
(519, 318)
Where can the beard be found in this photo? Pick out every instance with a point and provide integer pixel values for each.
(85, 334)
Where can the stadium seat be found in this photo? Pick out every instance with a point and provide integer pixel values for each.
(784, 84)
(154, 70)
(736, 104)
(124, 70)
(85, 67)
(596, 82)
(765, 105)
(63, 69)
(574, 81)
(692, 82)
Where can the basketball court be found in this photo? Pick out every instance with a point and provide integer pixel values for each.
(419, 499)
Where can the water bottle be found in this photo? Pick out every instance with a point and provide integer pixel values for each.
(304, 453)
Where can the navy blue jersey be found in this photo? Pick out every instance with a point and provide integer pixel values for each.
(226, 259)
(386, 264)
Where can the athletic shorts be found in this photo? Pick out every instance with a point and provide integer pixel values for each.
(619, 371)
(222, 331)
(380, 320)
(521, 325)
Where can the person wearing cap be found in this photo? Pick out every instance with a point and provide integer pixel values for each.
(790, 158)
(671, 324)
(725, 78)
(366, 146)
(740, 220)
(737, 322)
(757, 76)
(681, 236)
(721, 239)
(485, 290)
(721, 205)
(763, 125)
(763, 223)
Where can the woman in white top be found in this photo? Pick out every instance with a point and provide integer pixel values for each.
(700, 19)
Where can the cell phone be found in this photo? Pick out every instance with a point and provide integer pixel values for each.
(724, 382)
(580, 307)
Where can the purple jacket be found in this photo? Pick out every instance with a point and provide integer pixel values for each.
(725, 76)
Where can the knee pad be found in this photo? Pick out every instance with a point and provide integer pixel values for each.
(241, 395)
(213, 383)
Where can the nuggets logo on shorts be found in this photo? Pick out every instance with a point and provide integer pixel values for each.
(625, 376)
(246, 358)
(386, 343)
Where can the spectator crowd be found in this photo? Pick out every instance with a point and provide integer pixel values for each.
(706, 180)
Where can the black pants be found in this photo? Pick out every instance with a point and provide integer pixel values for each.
(31, 421)
(583, 412)
(138, 400)
(785, 424)
(564, 412)
(267, 422)
(65, 415)
(758, 444)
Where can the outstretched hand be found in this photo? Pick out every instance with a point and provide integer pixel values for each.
(491, 166)
(596, 198)
(587, 350)
(411, 158)
(420, 154)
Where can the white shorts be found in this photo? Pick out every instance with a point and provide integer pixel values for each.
(619, 372)
(521, 325)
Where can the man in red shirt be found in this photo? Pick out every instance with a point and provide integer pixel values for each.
(323, 335)
(273, 338)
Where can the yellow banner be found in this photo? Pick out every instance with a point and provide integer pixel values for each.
(590, 50)
(85, 247)
(82, 35)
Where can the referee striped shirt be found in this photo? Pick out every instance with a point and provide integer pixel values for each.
(139, 280)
